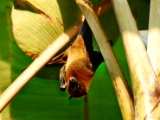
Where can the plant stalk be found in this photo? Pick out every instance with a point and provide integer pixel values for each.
(153, 46)
(145, 85)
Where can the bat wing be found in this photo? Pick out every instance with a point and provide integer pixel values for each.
(59, 59)
(96, 57)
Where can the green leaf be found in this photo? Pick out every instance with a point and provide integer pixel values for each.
(37, 24)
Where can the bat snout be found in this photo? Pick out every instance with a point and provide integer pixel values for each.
(76, 89)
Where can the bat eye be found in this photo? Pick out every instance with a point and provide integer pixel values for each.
(76, 88)
(89, 66)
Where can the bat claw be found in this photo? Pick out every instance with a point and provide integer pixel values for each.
(62, 88)
(62, 85)
(62, 78)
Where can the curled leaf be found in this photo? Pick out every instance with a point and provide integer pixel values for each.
(36, 24)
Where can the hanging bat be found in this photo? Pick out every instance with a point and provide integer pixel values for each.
(80, 63)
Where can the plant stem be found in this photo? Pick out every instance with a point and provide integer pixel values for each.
(153, 46)
(144, 82)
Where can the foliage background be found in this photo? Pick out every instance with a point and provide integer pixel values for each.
(41, 98)
(5, 77)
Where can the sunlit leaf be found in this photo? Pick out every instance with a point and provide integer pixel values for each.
(36, 24)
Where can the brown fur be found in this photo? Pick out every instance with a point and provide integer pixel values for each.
(78, 62)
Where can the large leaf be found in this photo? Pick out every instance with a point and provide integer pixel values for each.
(36, 24)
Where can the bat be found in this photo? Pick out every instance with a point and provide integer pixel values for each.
(80, 63)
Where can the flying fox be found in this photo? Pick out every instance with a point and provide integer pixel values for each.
(80, 63)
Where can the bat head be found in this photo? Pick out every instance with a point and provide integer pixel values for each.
(76, 88)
